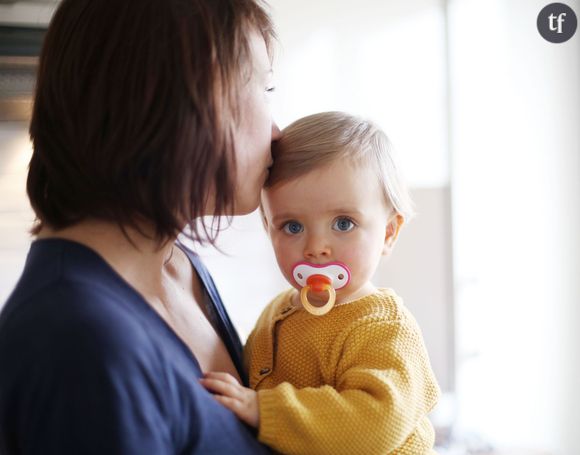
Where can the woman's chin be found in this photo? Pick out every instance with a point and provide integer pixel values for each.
(246, 208)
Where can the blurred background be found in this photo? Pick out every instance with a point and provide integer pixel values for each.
(485, 116)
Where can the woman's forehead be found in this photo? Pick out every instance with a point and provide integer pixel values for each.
(260, 57)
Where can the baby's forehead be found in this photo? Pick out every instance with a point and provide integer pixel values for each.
(332, 188)
(331, 174)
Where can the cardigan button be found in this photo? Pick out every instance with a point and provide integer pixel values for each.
(264, 371)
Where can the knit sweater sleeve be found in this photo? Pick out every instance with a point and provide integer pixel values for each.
(384, 389)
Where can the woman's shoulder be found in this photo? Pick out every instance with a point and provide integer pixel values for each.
(67, 297)
(71, 323)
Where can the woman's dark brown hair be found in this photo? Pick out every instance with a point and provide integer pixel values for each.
(135, 106)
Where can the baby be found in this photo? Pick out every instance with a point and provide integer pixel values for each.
(336, 365)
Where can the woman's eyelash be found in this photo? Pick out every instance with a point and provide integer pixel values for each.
(271, 89)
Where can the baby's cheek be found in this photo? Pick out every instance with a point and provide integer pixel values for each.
(288, 253)
(354, 256)
(287, 272)
(286, 265)
(361, 261)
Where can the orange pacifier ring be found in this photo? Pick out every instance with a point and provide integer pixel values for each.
(318, 283)
(329, 277)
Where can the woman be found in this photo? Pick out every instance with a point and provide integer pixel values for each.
(148, 115)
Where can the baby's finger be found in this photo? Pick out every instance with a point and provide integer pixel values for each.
(225, 377)
(221, 387)
(231, 403)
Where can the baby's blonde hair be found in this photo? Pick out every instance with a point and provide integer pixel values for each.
(321, 139)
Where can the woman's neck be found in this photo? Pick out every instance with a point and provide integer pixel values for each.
(138, 259)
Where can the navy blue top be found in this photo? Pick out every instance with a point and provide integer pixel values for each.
(88, 367)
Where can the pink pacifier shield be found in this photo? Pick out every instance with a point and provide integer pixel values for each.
(337, 272)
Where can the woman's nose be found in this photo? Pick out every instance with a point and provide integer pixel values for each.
(276, 134)
(316, 247)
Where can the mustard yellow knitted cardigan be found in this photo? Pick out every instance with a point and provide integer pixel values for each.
(354, 381)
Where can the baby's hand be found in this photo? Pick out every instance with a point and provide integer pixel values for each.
(239, 399)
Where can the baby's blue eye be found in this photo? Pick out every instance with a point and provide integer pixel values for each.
(343, 225)
(293, 227)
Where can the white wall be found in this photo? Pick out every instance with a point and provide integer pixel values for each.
(15, 214)
(380, 59)
(516, 207)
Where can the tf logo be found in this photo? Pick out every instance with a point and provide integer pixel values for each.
(557, 22)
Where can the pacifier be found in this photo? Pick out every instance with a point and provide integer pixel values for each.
(318, 278)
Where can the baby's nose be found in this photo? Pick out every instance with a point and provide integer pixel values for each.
(317, 247)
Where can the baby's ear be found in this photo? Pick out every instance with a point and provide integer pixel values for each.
(392, 232)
